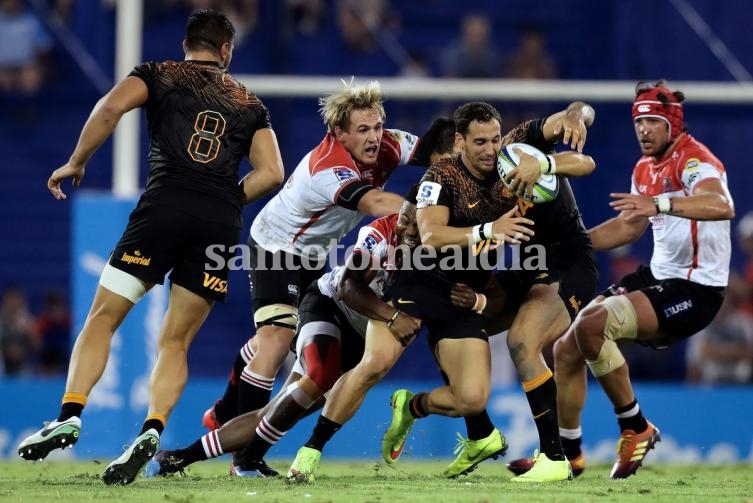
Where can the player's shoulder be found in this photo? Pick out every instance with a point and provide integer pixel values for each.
(692, 153)
(446, 168)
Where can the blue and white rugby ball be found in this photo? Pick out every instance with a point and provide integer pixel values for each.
(546, 188)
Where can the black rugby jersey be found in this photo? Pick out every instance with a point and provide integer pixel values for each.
(558, 224)
(201, 122)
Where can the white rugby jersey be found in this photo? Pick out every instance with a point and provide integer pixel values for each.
(378, 240)
(695, 250)
(305, 213)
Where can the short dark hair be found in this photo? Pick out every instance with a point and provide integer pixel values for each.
(474, 111)
(412, 195)
(439, 138)
(208, 30)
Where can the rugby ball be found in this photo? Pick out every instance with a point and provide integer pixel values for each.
(546, 188)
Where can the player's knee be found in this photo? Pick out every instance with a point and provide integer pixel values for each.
(322, 361)
(608, 359)
(566, 353)
(588, 329)
(276, 315)
(374, 366)
(471, 402)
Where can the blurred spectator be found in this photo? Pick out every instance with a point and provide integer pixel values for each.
(53, 330)
(17, 338)
(723, 351)
(305, 16)
(360, 22)
(531, 59)
(473, 55)
(25, 47)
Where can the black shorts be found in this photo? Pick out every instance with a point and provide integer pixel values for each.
(682, 307)
(315, 306)
(421, 295)
(278, 278)
(578, 280)
(160, 238)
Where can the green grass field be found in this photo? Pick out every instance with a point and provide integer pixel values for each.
(352, 482)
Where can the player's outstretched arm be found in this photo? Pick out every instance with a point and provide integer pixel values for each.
(378, 203)
(570, 125)
(127, 94)
(709, 201)
(268, 172)
(627, 227)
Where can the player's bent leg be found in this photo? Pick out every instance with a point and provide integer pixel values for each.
(186, 313)
(467, 363)
(108, 310)
(258, 376)
(381, 352)
(226, 408)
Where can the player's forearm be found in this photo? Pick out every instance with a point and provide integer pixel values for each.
(573, 164)
(613, 233)
(706, 206)
(259, 183)
(364, 301)
(379, 204)
(97, 129)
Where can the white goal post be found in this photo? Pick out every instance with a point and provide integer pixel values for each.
(413, 88)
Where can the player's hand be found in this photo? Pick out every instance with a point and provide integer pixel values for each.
(522, 178)
(513, 229)
(634, 205)
(463, 296)
(405, 328)
(573, 129)
(65, 171)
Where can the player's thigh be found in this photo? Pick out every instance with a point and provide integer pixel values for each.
(151, 243)
(467, 363)
(381, 349)
(542, 317)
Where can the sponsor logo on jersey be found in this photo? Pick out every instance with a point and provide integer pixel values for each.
(136, 258)
(692, 163)
(343, 174)
(369, 242)
(293, 289)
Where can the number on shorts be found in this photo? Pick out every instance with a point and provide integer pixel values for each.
(205, 142)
